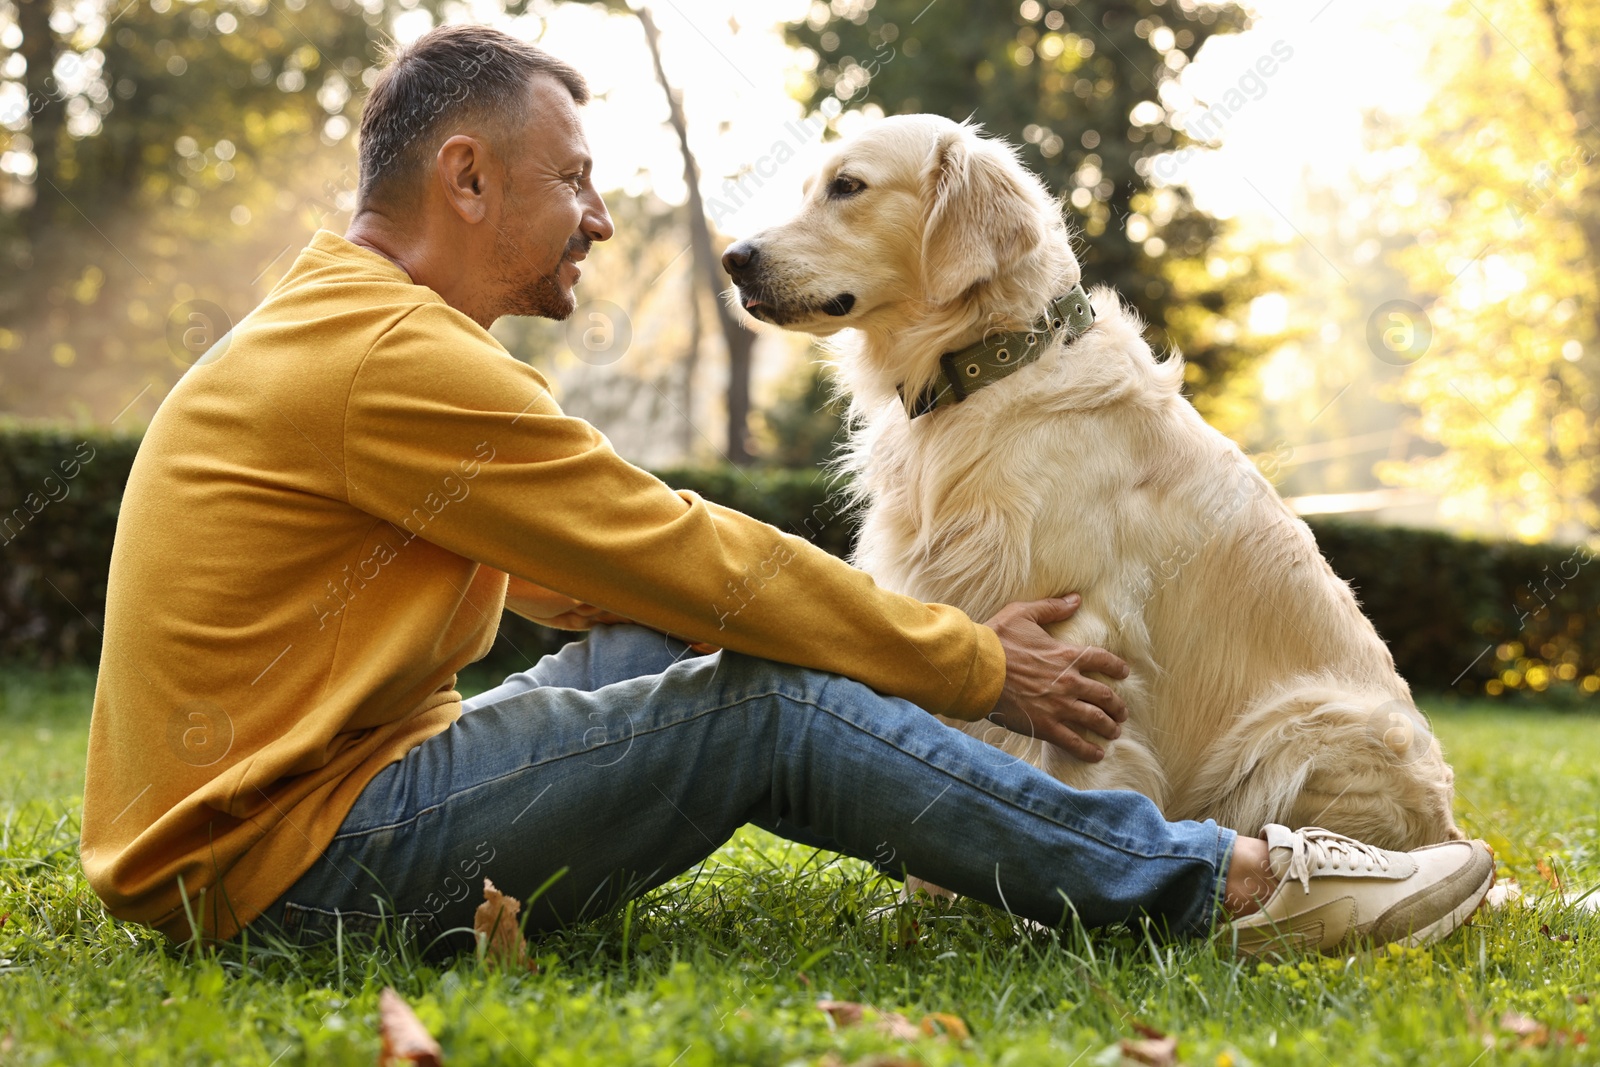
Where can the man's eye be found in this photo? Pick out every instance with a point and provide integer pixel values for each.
(842, 187)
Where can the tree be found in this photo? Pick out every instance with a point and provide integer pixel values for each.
(1081, 87)
(158, 147)
(738, 338)
(806, 425)
(1504, 346)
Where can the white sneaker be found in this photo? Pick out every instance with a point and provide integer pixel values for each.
(1334, 892)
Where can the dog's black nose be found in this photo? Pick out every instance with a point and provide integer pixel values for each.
(738, 259)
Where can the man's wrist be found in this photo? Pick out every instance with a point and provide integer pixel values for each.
(986, 678)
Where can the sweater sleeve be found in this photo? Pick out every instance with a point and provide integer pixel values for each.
(450, 439)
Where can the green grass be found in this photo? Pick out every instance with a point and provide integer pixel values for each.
(726, 964)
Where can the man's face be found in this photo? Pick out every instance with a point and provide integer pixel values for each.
(551, 212)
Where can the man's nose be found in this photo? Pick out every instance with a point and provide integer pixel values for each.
(597, 221)
(739, 260)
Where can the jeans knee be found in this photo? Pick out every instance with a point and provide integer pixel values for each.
(744, 676)
(628, 650)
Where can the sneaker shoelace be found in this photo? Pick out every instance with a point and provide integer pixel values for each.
(1315, 849)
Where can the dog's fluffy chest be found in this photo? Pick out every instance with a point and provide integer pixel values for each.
(978, 512)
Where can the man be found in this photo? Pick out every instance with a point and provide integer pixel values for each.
(331, 509)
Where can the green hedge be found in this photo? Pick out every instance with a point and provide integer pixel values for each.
(1475, 617)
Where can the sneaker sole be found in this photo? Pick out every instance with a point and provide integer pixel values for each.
(1447, 924)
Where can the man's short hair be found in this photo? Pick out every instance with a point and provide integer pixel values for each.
(448, 74)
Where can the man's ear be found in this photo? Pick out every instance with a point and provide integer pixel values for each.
(461, 168)
(979, 215)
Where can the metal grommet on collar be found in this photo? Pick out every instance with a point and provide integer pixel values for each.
(1067, 318)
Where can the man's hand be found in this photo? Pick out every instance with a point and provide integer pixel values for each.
(1045, 691)
(558, 611)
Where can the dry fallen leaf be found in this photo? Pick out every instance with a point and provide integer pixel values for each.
(495, 923)
(1544, 928)
(405, 1039)
(846, 1013)
(897, 1026)
(1533, 1033)
(943, 1024)
(843, 1012)
(1547, 870)
(1152, 1051)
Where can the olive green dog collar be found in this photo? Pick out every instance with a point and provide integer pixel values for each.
(966, 370)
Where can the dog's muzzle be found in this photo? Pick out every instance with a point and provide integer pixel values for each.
(743, 263)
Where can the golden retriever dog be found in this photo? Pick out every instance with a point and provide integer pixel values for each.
(1258, 692)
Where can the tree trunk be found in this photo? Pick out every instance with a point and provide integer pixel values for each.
(48, 109)
(691, 360)
(738, 339)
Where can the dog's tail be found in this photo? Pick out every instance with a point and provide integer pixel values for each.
(1364, 765)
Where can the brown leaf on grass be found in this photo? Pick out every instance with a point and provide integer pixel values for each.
(495, 923)
(1144, 1029)
(846, 1013)
(942, 1024)
(3, 918)
(1547, 870)
(897, 1026)
(1152, 1051)
(405, 1039)
(843, 1012)
(1544, 928)
(1531, 1032)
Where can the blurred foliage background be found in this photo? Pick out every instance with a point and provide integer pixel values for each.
(1408, 328)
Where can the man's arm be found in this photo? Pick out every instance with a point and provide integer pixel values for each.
(538, 604)
(450, 438)
(557, 610)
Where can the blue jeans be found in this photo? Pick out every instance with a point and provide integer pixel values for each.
(624, 760)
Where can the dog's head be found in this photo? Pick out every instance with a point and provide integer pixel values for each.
(915, 215)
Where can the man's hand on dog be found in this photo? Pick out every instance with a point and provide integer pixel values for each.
(1046, 693)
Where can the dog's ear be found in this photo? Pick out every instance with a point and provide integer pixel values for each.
(979, 214)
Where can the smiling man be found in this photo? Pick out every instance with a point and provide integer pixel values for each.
(330, 511)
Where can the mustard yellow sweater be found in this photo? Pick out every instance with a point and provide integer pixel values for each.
(316, 536)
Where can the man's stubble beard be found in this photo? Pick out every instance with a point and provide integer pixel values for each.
(529, 292)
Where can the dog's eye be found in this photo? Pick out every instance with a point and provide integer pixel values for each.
(841, 187)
